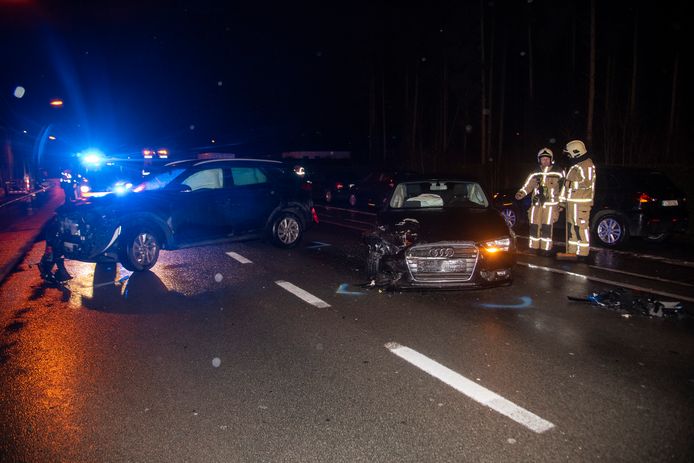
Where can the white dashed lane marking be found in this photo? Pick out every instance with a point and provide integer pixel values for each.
(471, 389)
(304, 295)
(239, 258)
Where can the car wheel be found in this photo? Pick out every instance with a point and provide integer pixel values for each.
(352, 200)
(140, 249)
(287, 230)
(611, 230)
(373, 264)
(328, 196)
(510, 215)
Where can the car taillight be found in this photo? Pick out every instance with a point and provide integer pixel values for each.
(339, 185)
(646, 198)
(314, 214)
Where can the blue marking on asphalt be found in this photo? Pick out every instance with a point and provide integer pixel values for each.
(317, 244)
(526, 302)
(343, 290)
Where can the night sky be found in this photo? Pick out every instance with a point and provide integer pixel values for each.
(388, 83)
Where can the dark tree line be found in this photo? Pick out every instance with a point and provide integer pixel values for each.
(489, 83)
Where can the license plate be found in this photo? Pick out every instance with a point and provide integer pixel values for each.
(670, 202)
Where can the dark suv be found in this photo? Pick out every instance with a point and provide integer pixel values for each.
(187, 203)
(628, 202)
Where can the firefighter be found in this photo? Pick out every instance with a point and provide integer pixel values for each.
(543, 186)
(67, 183)
(578, 193)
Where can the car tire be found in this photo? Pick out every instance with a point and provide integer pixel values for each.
(139, 250)
(352, 200)
(373, 264)
(287, 230)
(610, 230)
(510, 216)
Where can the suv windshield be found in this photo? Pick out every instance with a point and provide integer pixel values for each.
(438, 193)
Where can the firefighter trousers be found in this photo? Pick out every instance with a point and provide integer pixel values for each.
(542, 218)
(577, 228)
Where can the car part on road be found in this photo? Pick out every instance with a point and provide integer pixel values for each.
(629, 303)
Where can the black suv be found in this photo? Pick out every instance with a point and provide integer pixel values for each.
(187, 203)
(628, 202)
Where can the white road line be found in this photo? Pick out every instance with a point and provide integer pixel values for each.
(471, 389)
(609, 282)
(239, 258)
(664, 260)
(647, 277)
(304, 295)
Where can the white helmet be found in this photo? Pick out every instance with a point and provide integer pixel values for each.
(545, 152)
(575, 149)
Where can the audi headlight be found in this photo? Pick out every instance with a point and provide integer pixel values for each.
(501, 244)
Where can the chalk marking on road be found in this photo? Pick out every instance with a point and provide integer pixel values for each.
(525, 302)
(664, 260)
(342, 289)
(239, 257)
(301, 294)
(648, 277)
(471, 389)
(609, 282)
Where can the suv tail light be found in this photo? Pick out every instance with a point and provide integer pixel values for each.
(646, 198)
(339, 185)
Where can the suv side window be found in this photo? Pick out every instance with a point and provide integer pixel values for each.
(211, 179)
(248, 176)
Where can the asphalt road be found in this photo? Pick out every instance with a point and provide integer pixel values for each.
(213, 357)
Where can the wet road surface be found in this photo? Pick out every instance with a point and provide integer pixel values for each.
(244, 352)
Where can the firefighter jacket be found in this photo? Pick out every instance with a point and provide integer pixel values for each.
(544, 186)
(579, 184)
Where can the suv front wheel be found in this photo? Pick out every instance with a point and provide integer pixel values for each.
(287, 230)
(139, 249)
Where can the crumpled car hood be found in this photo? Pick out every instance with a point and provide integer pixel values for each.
(453, 224)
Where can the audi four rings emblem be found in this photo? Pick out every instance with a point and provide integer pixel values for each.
(441, 252)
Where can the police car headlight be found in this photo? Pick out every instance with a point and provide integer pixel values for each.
(85, 189)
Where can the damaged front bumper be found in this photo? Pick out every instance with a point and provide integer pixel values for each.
(86, 239)
(438, 265)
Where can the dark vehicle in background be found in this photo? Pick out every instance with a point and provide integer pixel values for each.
(629, 202)
(373, 190)
(440, 233)
(514, 211)
(636, 202)
(185, 204)
(331, 185)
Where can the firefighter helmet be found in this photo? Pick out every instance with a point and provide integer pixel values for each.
(575, 149)
(545, 152)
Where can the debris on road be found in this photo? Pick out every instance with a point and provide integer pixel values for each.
(630, 303)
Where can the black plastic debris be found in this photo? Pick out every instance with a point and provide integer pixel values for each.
(632, 303)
